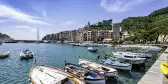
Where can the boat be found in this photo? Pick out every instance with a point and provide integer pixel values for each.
(51, 75)
(26, 54)
(59, 42)
(131, 58)
(4, 54)
(91, 49)
(115, 64)
(85, 44)
(106, 71)
(140, 55)
(144, 48)
(164, 68)
(144, 55)
(75, 44)
(90, 77)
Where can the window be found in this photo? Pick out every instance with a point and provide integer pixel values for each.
(128, 56)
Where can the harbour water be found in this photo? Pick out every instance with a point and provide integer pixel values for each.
(13, 70)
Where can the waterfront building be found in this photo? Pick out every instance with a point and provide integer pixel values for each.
(79, 35)
(73, 35)
(94, 36)
(60, 35)
(84, 35)
(88, 34)
(57, 36)
(125, 35)
(107, 40)
(116, 29)
(66, 35)
(105, 34)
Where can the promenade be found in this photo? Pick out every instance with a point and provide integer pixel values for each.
(154, 74)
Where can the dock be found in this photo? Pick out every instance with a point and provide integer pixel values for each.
(154, 74)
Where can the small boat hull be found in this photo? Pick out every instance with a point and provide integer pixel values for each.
(106, 71)
(110, 74)
(91, 49)
(128, 68)
(133, 59)
(89, 81)
(25, 56)
(90, 77)
(4, 54)
(141, 61)
(95, 50)
(115, 64)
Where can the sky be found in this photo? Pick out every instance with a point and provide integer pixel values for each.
(21, 18)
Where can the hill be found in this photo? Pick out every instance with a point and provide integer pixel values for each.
(5, 37)
(147, 28)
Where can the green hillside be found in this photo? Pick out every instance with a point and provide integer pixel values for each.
(147, 28)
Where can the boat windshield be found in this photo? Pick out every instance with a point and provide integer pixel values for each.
(105, 69)
(128, 56)
(120, 53)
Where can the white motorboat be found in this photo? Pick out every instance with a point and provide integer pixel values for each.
(51, 75)
(4, 54)
(74, 44)
(26, 54)
(131, 58)
(115, 64)
(90, 77)
(140, 55)
(106, 71)
(145, 55)
(91, 49)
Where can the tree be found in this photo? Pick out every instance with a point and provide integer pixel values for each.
(148, 28)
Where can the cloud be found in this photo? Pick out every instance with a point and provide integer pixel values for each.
(3, 21)
(44, 14)
(16, 14)
(121, 5)
(23, 26)
(32, 29)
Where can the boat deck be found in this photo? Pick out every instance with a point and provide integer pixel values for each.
(43, 75)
